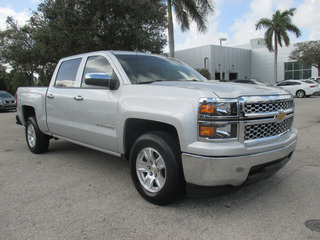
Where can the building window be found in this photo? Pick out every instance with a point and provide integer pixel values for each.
(296, 70)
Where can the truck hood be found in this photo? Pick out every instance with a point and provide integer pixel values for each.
(226, 90)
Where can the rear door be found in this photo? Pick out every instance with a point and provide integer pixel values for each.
(59, 98)
(294, 87)
(287, 85)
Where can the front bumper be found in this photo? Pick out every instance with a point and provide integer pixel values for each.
(8, 107)
(316, 93)
(233, 170)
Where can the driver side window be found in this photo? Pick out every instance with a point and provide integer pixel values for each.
(97, 64)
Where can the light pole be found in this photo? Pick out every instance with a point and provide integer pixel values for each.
(221, 39)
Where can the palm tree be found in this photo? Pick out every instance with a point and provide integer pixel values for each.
(277, 28)
(186, 10)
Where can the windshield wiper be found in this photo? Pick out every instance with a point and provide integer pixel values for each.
(192, 80)
(148, 82)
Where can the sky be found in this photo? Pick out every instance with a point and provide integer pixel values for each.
(232, 19)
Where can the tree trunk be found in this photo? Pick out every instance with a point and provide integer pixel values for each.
(170, 30)
(275, 67)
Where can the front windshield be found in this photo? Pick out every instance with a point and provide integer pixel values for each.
(5, 95)
(150, 68)
(261, 83)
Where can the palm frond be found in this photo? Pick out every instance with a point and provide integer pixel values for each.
(181, 15)
(192, 10)
(268, 37)
(263, 23)
(294, 29)
(289, 12)
(196, 14)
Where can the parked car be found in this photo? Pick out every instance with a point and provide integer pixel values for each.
(7, 101)
(299, 88)
(316, 79)
(316, 82)
(309, 81)
(251, 81)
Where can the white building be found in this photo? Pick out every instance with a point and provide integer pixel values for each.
(247, 61)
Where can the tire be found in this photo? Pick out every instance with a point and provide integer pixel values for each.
(300, 94)
(156, 168)
(36, 140)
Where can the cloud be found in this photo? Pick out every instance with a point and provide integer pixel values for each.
(244, 27)
(308, 17)
(5, 12)
(195, 39)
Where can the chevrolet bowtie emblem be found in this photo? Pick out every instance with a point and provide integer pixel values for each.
(280, 116)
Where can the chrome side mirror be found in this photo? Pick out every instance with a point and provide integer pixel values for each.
(102, 80)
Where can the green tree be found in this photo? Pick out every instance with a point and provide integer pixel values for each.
(4, 79)
(67, 27)
(17, 79)
(308, 53)
(187, 11)
(61, 28)
(276, 33)
(204, 72)
(17, 49)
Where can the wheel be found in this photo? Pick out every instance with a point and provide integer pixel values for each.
(156, 168)
(36, 140)
(300, 94)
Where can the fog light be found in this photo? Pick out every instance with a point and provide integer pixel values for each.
(208, 132)
(218, 131)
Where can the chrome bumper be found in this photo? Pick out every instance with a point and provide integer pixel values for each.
(230, 170)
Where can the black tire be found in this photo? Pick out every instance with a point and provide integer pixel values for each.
(300, 94)
(36, 140)
(168, 184)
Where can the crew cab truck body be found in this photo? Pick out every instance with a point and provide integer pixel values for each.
(178, 130)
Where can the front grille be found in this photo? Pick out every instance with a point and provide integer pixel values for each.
(271, 106)
(263, 130)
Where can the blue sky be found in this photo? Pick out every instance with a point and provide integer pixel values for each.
(233, 19)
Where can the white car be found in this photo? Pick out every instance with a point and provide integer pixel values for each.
(299, 88)
(315, 79)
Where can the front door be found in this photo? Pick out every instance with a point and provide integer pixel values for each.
(95, 108)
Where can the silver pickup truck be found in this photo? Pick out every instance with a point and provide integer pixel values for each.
(180, 132)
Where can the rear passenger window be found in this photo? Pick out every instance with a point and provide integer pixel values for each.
(67, 73)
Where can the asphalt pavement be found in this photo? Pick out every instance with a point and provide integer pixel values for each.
(72, 192)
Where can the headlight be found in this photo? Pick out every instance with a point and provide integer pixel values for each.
(217, 119)
(210, 107)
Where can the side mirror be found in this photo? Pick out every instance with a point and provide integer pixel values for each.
(101, 79)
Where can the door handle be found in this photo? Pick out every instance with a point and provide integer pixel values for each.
(78, 98)
(50, 96)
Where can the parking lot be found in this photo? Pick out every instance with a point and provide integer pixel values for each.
(73, 192)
